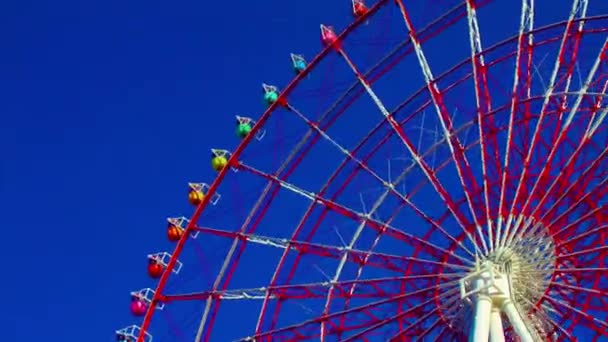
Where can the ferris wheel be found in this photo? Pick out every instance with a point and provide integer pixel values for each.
(437, 172)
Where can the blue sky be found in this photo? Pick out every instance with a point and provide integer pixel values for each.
(108, 109)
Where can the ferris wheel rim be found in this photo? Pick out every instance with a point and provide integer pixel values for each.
(239, 149)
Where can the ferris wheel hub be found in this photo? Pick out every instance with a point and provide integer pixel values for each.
(489, 291)
(509, 280)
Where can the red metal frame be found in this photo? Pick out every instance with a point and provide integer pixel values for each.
(234, 158)
(369, 258)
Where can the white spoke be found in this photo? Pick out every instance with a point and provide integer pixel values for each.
(574, 111)
(483, 103)
(579, 10)
(388, 186)
(526, 25)
(352, 214)
(441, 113)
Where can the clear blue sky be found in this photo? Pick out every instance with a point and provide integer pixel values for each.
(107, 110)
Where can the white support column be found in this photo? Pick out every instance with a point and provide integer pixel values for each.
(516, 321)
(488, 290)
(480, 327)
(497, 333)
